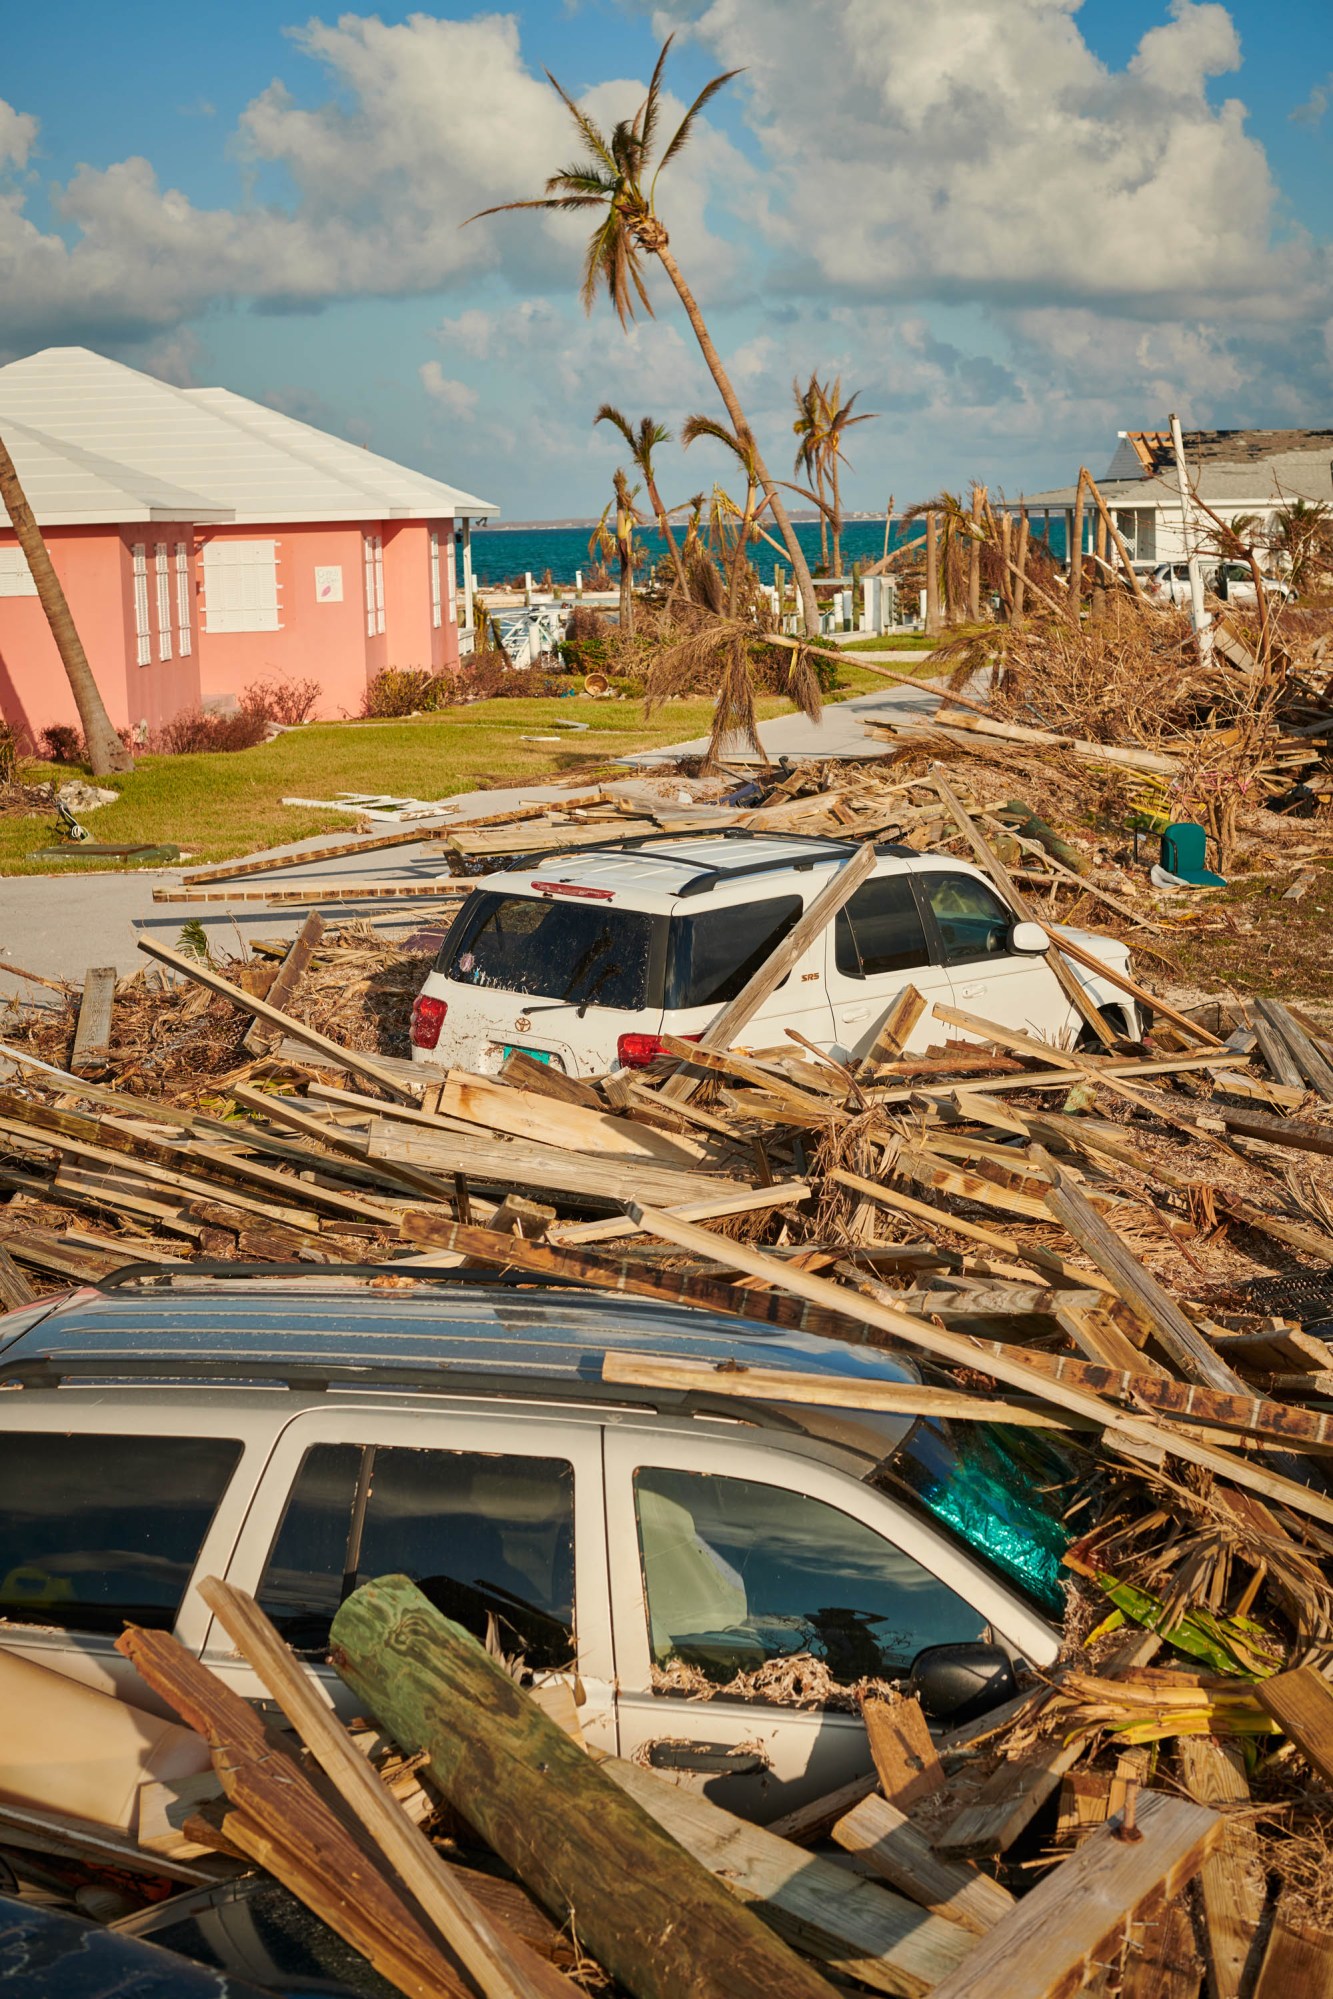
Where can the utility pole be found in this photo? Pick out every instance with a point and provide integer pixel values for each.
(1200, 618)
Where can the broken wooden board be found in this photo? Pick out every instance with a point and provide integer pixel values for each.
(1232, 1886)
(887, 1842)
(1301, 1703)
(260, 1035)
(903, 1749)
(92, 1035)
(1078, 1911)
(498, 1161)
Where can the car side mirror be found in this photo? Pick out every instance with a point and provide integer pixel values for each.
(1029, 938)
(956, 1683)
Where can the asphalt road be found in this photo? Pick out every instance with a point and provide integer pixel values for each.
(60, 926)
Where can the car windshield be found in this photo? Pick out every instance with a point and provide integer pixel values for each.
(1007, 1492)
(580, 952)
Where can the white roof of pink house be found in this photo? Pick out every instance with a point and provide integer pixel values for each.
(195, 455)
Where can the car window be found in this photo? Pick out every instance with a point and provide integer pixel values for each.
(489, 1539)
(973, 922)
(711, 955)
(100, 1531)
(880, 930)
(737, 1574)
(582, 952)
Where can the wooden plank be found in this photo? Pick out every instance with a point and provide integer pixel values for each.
(1275, 1053)
(962, 1352)
(299, 1837)
(814, 920)
(903, 1749)
(814, 1819)
(481, 1946)
(548, 1081)
(1115, 977)
(917, 1163)
(1008, 1802)
(885, 1839)
(775, 1384)
(15, 1290)
(267, 864)
(895, 1029)
(514, 1162)
(1161, 1959)
(92, 1035)
(855, 1926)
(303, 893)
(1299, 1045)
(1016, 900)
(500, 1107)
(1078, 1911)
(97, 1846)
(1187, 1347)
(286, 1111)
(748, 1201)
(260, 1036)
(1081, 1062)
(1301, 1703)
(647, 1911)
(1232, 1886)
(1294, 1132)
(347, 1058)
(1298, 1963)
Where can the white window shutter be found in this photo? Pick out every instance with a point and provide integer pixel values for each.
(15, 575)
(143, 635)
(451, 581)
(435, 579)
(162, 569)
(379, 583)
(184, 641)
(241, 586)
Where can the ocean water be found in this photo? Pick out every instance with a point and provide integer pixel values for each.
(502, 555)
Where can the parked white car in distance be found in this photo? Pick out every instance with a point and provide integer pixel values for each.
(585, 960)
(1169, 583)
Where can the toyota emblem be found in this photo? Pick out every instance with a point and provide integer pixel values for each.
(522, 1024)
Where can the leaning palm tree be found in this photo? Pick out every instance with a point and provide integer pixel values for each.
(642, 443)
(619, 178)
(106, 752)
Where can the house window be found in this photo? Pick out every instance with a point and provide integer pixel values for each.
(162, 568)
(435, 580)
(241, 586)
(184, 642)
(15, 576)
(373, 546)
(143, 636)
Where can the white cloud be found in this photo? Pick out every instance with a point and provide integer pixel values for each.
(455, 397)
(984, 151)
(18, 135)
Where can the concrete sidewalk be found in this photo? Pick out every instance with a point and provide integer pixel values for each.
(59, 926)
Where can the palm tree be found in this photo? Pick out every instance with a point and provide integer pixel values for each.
(642, 443)
(837, 420)
(105, 750)
(809, 456)
(619, 178)
(605, 539)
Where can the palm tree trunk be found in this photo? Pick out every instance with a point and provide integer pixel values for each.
(625, 551)
(800, 567)
(664, 528)
(837, 513)
(974, 557)
(105, 750)
(932, 576)
(823, 520)
(1076, 552)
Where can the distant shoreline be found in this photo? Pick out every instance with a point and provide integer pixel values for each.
(570, 527)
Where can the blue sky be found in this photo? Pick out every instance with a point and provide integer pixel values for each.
(1015, 225)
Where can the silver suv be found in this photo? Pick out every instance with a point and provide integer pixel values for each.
(300, 1435)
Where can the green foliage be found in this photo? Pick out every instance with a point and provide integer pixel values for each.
(193, 939)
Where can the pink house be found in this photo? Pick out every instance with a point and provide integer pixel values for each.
(206, 542)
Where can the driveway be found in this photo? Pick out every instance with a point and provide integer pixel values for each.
(59, 926)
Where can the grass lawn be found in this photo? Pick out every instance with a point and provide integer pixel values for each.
(915, 641)
(215, 807)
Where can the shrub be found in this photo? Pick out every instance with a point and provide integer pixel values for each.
(9, 754)
(194, 733)
(281, 699)
(63, 744)
(400, 690)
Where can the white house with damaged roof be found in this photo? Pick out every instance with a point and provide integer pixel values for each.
(1255, 473)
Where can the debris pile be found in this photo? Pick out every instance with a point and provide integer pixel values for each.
(1127, 1245)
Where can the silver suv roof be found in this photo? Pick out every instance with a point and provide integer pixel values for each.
(656, 872)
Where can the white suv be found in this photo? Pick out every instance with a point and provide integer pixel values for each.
(298, 1436)
(585, 960)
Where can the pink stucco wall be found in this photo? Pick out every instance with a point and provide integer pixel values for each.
(328, 640)
(95, 567)
(322, 639)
